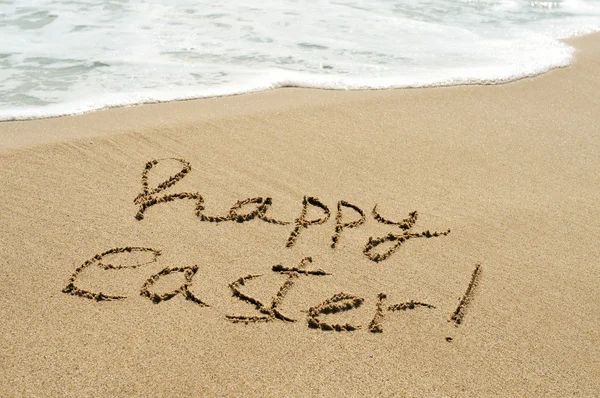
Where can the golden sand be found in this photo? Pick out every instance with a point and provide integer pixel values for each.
(422, 242)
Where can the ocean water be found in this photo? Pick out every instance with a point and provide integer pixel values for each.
(61, 57)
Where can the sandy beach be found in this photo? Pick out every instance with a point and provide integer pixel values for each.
(420, 242)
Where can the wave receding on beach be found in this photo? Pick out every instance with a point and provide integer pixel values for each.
(62, 58)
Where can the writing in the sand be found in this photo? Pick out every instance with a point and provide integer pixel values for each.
(256, 208)
(265, 311)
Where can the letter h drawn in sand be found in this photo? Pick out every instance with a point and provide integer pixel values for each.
(271, 312)
(148, 196)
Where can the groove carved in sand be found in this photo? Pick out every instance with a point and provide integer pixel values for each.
(271, 312)
(184, 290)
(338, 303)
(376, 325)
(148, 198)
(348, 216)
(259, 207)
(459, 314)
(267, 312)
(97, 261)
(396, 239)
(340, 226)
(302, 223)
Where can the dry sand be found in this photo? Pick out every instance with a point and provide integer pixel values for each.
(512, 170)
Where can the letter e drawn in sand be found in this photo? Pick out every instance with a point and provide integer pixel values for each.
(458, 315)
(302, 223)
(97, 260)
(148, 198)
(271, 312)
(396, 239)
(338, 303)
(184, 289)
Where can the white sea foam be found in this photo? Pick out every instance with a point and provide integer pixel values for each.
(62, 57)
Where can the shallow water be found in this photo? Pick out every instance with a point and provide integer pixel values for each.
(65, 57)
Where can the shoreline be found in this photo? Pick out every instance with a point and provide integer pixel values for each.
(31, 132)
(295, 242)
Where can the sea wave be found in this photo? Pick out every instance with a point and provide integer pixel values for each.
(68, 57)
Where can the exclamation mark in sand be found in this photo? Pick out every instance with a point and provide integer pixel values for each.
(459, 313)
